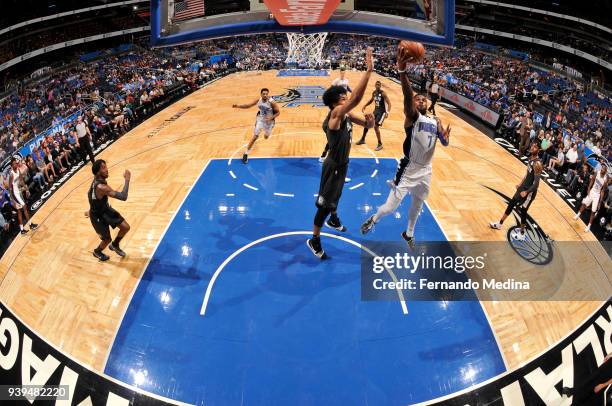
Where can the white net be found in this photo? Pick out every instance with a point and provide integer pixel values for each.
(305, 49)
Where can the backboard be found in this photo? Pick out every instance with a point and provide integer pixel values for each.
(427, 21)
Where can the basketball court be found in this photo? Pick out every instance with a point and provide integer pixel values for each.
(219, 301)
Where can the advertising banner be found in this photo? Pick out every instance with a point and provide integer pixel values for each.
(301, 12)
(32, 367)
(485, 114)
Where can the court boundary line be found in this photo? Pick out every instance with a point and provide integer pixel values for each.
(240, 250)
(503, 374)
(495, 336)
(144, 269)
(484, 311)
(9, 268)
(89, 368)
(248, 186)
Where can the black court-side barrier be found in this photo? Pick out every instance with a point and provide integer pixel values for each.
(26, 359)
(574, 362)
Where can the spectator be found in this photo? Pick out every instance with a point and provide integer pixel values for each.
(557, 162)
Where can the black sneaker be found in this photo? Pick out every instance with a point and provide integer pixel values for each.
(360, 142)
(335, 224)
(33, 226)
(24, 231)
(100, 255)
(409, 240)
(368, 225)
(315, 246)
(117, 250)
(245, 158)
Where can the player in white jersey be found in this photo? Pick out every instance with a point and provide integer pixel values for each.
(414, 170)
(17, 200)
(267, 112)
(599, 182)
(343, 82)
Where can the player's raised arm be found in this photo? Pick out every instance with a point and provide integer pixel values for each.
(409, 107)
(357, 95)
(245, 106)
(105, 190)
(443, 134)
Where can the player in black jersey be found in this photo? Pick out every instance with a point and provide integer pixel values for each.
(344, 82)
(526, 192)
(102, 215)
(339, 130)
(382, 107)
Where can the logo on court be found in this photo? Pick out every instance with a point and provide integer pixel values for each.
(302, 95)
(537, 247)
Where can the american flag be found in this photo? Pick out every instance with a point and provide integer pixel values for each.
(186, 9)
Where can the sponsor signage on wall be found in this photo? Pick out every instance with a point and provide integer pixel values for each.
(302, 12)
(485, 114)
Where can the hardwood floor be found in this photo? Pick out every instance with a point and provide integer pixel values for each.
(54, 284)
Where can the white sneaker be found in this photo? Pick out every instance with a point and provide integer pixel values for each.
(587, 228)
(495, 226)
(577, 216)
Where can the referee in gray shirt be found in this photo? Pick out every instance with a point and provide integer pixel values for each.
(84, 140)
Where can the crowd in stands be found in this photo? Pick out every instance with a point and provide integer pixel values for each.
(535, 105)
(102, 100)
(113, 94)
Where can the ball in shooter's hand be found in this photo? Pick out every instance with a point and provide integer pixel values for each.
(413, 50)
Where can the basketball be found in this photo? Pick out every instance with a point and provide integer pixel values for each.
(415, 50)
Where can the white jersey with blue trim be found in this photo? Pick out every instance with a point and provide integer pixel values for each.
(265, 109)
(341, 82)
(598, 183)
(422, 141)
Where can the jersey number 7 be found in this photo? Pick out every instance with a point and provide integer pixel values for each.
(430, 136)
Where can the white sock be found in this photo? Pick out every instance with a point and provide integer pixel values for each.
(413, 215)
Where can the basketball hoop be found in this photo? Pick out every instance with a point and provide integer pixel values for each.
(306, 48)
